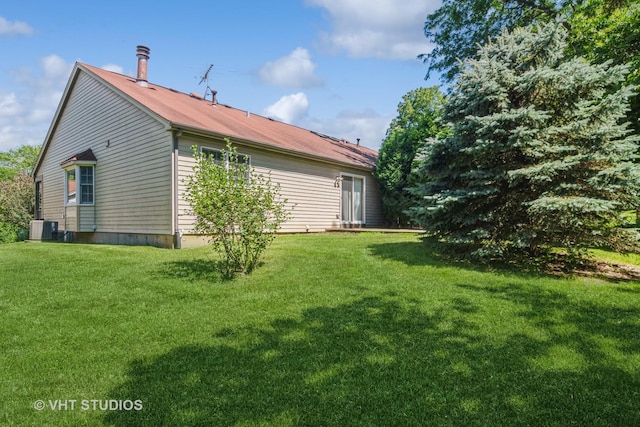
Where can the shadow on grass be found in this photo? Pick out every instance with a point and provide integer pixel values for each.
(192, 270)
(428, 251)
(385, 361)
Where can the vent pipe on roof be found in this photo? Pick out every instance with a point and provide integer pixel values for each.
(142, 52)
(214, 100)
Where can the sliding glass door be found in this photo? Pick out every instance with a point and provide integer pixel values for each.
(352, 200)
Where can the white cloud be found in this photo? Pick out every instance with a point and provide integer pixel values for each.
(26, 113)
(386, 29)
(295, 70)
(8, 28)
(55, 68)
(367, 125)
(9, 105)
(289, 108)
(113, 67)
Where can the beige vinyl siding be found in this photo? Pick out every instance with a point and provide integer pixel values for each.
(132, 174)
(309, 186)
(86, 218)
(373, 203)
(69, 220)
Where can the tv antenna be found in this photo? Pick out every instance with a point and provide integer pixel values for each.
(208, 90)
(205, 76)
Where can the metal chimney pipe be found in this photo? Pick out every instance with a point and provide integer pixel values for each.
(142, 52)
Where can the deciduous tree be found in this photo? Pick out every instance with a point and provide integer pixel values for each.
(599, 30)
(18, 161)
(609, 30)
(17, 199)
(458, 27)
(417, 120)
(17, 194)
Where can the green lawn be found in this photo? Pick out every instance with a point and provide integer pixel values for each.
(333, 330)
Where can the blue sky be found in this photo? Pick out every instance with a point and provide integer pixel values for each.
(338, 67)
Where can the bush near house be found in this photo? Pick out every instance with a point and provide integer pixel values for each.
(239, 210)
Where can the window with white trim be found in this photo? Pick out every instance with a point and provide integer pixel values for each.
(217, 156)
(79, 185)
(213, 154)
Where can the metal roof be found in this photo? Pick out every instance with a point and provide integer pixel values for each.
(181, 110)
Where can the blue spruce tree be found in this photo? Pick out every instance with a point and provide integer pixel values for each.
(538, 157)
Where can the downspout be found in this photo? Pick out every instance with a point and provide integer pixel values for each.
(177, 233)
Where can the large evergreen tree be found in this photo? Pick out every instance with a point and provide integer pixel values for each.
(538, 156)
(417, 120)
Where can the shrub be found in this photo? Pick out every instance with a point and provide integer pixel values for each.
(239, 210)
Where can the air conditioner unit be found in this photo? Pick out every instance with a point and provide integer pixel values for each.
(43, 230)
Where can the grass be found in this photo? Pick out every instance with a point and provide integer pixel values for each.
(332, 330)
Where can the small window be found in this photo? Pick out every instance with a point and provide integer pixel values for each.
(71, 186)
(38, 205)
(212, 154)
(86, 185)
(80, 184)
(245, 161)
(217, 156)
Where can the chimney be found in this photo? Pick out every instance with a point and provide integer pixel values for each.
(142, 53)
(214, 100)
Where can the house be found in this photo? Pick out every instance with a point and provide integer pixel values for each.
(113, 163)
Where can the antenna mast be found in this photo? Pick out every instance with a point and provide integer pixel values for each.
(205, 79)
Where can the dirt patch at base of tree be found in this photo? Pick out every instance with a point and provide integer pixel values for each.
(611, 271)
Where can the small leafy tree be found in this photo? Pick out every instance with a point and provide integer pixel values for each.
(539, 157)
(239, 210)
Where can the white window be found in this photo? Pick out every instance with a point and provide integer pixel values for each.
(213, 154)
(353, 199)
(79, 185)
(217, 156)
